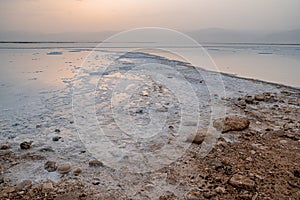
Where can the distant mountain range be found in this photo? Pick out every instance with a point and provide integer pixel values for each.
(214, 35)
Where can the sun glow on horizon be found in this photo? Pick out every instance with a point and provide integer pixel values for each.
(50, 16)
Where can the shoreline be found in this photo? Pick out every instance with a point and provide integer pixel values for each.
(244, 163)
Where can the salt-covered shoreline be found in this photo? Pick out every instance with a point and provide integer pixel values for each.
(242, 164)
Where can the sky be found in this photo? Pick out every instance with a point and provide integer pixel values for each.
(56, 16)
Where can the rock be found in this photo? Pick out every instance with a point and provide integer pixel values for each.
(282, 141)
(145, 93)
(241, 103)
(57, 130)
(95, 182)
(46, 149)
(233, 123)
(24, 185)
(77, 171)
(220, 190)
(47, 186)
(50, 166)
(162, 109)
(26, 145)
(64, 168)
(243, 182)
(38, 126)
(297, 173)
(194, 194)
(5, 145)
(249, 99)
(249, 159)
(259, 97)
(197, 137)
(95, 163)
(56, 138)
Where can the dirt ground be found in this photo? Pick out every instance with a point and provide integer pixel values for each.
(259, 162)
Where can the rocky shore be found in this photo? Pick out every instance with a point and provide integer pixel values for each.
(257, 156)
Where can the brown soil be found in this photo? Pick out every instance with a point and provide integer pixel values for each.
(264, 162)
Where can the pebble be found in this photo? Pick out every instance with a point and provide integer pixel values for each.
(243, 182)
(57, 130)
(25, 145)
(56, 138)
(47, 186)
(95, 163)
(249, 99)
(96, 182)
(5, 145)
(64, 168)
(297, 173)
(38, 126)
(77, 171)
(282, 141)
(249, 159)
(259, 97)
(197, 137)
(233, 123)
(220, 190)
(50, 166)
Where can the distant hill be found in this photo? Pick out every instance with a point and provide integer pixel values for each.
(231, 36)
(213, 35)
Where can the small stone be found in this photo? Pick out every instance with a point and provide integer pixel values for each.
(252, 152)
(5, 145)
(249, 100)
(57, 130)
(197, 137)
(162, 109)
(96, 182)
(297, 173)
(77, 171)
(46, 149)
(249, 159)
(95, 163)
(24, 185)
(38, 126)
(25, 145)
(220, 190)
(50, 166)
(233, 123)
(242, 182)
(47, 186)
(56, 138)
(145, 93)
(282, 141)
(64, 168)
(259, 97)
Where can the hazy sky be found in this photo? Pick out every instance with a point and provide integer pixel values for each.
(53, 16)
